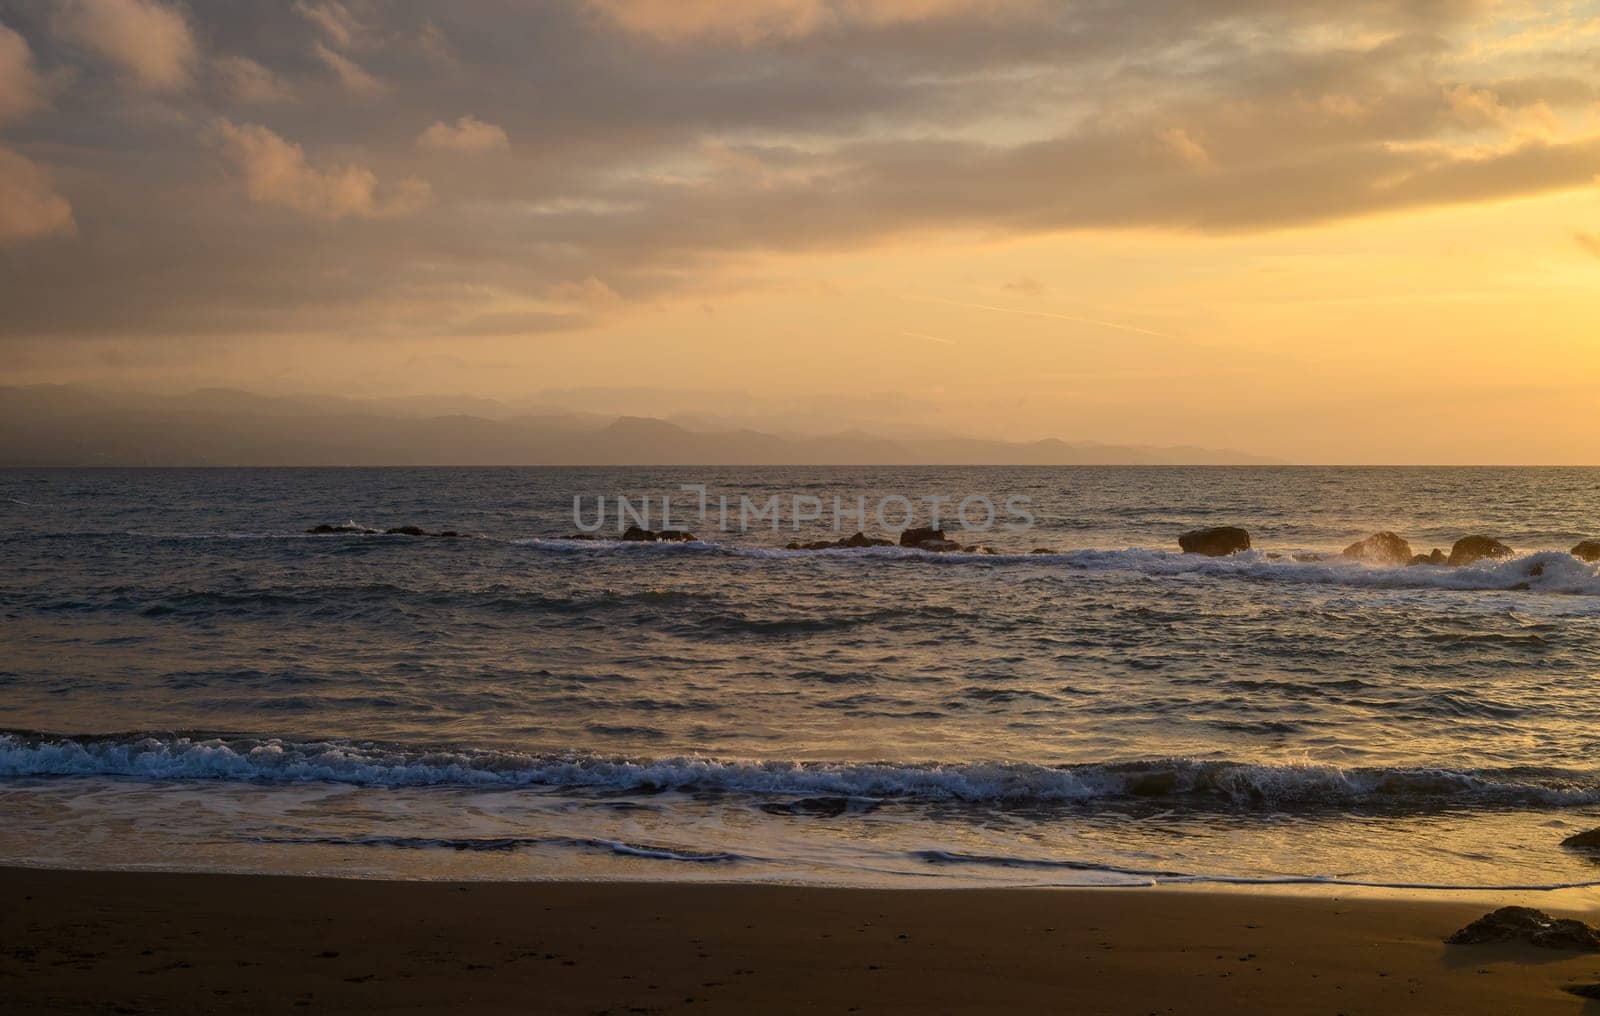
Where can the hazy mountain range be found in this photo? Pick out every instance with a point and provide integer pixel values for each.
(52, 425)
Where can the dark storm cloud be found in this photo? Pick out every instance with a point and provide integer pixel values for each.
(490, 167)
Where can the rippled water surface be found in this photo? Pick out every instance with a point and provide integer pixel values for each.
(189, 679)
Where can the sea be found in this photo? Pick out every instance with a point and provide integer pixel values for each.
(189, 680)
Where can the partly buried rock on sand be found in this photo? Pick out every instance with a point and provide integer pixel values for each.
(1588, 550)
(1219, 541)
(1583, 841)
(1380, 548)
(1524, 924)
(1469, 549)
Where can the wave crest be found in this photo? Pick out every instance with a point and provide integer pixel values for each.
(1180, 782)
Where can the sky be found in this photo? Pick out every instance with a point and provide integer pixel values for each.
(1338, 231)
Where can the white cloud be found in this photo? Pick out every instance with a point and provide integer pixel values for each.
(244, 80)
(467, 134)
(29, 204)
(276, 172)
(21, 89)
(149, 41)
(352, 75)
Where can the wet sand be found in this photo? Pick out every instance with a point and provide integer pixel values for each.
(141, 942)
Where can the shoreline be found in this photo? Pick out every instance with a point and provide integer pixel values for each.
(140, 941)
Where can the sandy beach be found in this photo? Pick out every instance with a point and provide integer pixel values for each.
(144, 942)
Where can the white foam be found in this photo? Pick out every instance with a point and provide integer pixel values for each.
(1192, 782)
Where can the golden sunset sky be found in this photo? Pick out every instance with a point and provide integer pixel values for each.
(1328, 231)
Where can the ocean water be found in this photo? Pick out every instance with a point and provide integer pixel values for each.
(188, 680)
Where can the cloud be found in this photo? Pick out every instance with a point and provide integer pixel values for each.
(276, 172)
(467, 134)
(148, 41)
(660, 144)
(1588, 241)
(244, 80)
(1024, 287)
(335, 20)
(29, 205)
(752, 22)
(352, 75)
(22, 90)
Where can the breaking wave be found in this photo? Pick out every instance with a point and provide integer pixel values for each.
(1177, 782)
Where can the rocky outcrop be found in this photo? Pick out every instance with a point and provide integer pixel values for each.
(1524, 924)
(348, 527)
(351, 528)
(856, 542)
(1588, 550)
(1435, 557)
(863, 540)
(1470, 549)
(1219, 541)
(634, 534)
(1383, 548)
(920, 535)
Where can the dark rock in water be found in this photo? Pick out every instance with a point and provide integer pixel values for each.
(584, 536)
(1308, 558)
(449, 534)
(1583, 841)
(1042, 550)
(675, 536)
(818, 807)
(1475, 548)
(1583, 990)
(919, 536)
(1216, 542)
(939, 546)
(1380, 548)
(636, 535)
(404, 531)
(1588, 550)
(863, 540)
(818, 545)
(1437, 557)
(348, 527)
(1524, 924)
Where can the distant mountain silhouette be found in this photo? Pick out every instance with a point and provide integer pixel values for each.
(75, 426)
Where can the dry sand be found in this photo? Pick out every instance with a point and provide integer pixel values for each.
(141, 942)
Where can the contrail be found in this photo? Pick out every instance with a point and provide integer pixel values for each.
(1044, 314)
(930, 338)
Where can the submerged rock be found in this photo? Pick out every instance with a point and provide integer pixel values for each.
(819, 807)
(1380, 548)
(1469, 549)
(1524, 924)
(1588, 550)
(1219, 541)
(1437, 557)
(405, 531)
(1042, 550)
